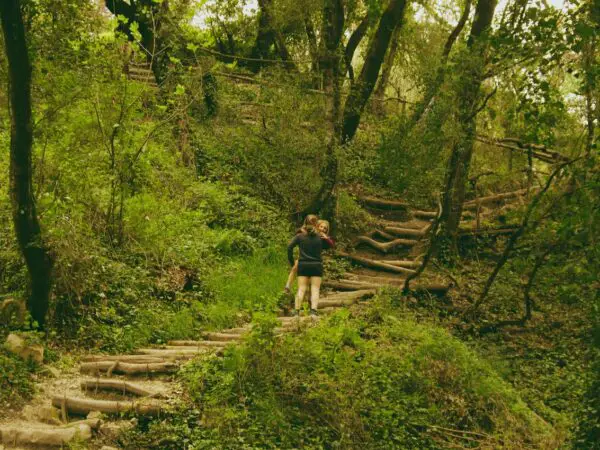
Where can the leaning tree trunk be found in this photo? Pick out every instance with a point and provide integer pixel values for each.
(432, 90)
(27, 226)
(386, 72)
(362, 88)
(468, 90)
(353, 42)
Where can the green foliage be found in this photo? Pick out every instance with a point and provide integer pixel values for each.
(378, 380)
(351, 219)
(16, 383)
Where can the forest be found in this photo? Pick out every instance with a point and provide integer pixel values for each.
(435, 161)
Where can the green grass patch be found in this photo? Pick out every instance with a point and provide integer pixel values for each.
(16, 384)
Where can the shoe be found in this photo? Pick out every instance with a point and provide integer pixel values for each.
(295, 313)
(313, 312)
(287, 290)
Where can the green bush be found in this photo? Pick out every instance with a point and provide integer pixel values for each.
(16, 384)
(374, 381)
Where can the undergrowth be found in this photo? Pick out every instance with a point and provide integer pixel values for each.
(370, 379)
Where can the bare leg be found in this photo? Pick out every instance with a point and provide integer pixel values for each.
(315, 288)
(302, 287)
(292, 275)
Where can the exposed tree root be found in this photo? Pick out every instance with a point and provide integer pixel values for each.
(117, 386)
(385, 247)
(372, 264)
(110, 367)
(85, 406)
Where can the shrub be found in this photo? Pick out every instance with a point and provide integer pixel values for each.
(378, 380)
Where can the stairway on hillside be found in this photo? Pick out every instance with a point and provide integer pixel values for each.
(141, 72)
(74, 406)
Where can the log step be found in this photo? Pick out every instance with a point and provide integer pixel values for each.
(83, 406)
(424, 214)
(385, 247)
(345, 298)
(139, 359)
(412, 232)
(224, 337)
(379, 203)
(172, 345)
(352, 285)
(110, 367)
(120, 386)
(178, 353)
(373, 264)
(35, 434)
(400, 263)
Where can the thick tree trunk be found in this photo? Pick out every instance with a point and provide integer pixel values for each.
(27, 226)
(363, 87)
(332, 31)
(468, 93)
(386, 72)
(325, 202)
(353, 42)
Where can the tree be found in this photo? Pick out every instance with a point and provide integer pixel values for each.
(268, 35)
(468, 86)
(361, 89)
(145, 17)
(26, 223)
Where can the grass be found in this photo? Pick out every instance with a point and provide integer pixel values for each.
(252, 283)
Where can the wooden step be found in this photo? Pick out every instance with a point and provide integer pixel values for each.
(83, 406)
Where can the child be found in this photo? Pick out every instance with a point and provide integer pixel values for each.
(310, 264)
(309, 221)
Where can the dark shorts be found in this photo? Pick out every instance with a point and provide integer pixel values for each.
(310, 269)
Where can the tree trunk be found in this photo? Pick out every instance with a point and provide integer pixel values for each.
(387, 71)
(268, 36)
(432, 90)
(332, 31)
(27, 226)
(313, 48)
(325, 202)
(468, 93)
(363, 87)
(353, 42)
